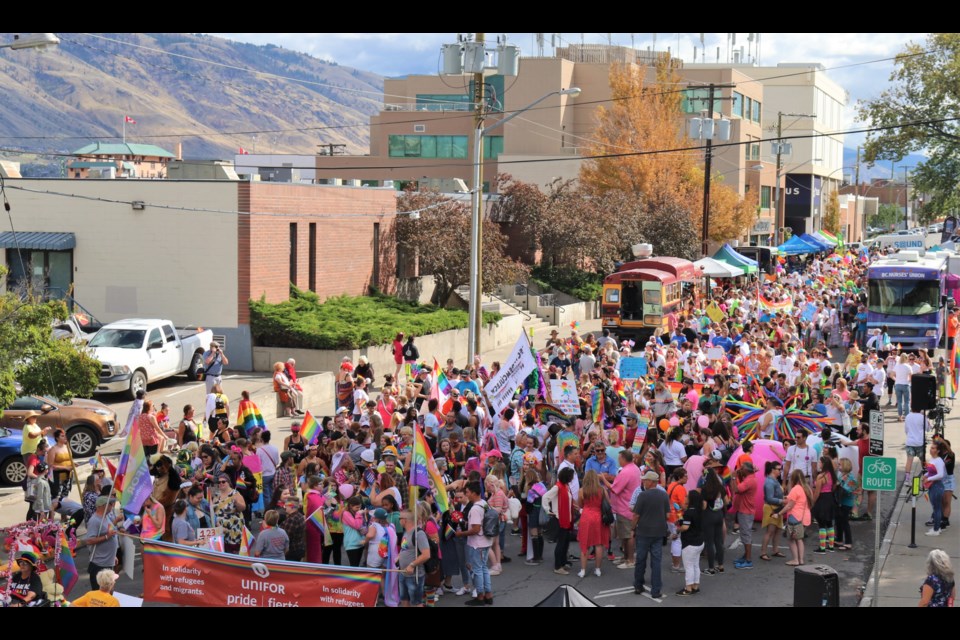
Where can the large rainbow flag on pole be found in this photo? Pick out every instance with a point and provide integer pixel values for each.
(249, 416)
(310, 429)
(424, 472)
(68, 567)
(769, 305)
(133, 483)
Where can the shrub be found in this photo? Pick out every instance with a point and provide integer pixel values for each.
(584, 285)
(347, 322)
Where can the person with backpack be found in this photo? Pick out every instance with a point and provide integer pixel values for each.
(414, 554)
(410, 354)
(479, 537)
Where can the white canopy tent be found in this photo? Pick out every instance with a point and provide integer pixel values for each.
(716, 269)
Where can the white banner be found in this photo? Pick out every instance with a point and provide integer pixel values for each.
(514, 370)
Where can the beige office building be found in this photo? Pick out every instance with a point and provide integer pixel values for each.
(425, 132)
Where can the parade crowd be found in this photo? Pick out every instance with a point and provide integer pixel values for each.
(743, 423)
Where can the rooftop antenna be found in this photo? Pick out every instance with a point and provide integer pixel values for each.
(609, 39)
(654, 42)
(703, 48)
(758, 49)
(540, 44)
(633, 44)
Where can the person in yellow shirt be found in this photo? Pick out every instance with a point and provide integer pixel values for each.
(31, 434)
(107, 579)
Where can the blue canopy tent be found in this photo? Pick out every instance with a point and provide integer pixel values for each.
(729, 255)
(795, 247)
(816, 242)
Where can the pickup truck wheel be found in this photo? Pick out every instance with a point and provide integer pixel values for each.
(83, 441)
(138, 382)
(13, 471)
(196, 366)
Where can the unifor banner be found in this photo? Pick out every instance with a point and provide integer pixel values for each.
(513, 372)
(187, 576)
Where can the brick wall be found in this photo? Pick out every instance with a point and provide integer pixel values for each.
(345, 218)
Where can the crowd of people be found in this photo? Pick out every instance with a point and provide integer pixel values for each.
(662, 461)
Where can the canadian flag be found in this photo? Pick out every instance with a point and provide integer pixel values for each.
(129, 120)
(244, 152)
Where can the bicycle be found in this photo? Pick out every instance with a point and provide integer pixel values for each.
(938, 416)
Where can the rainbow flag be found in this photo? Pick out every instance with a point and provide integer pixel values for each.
(391, 579)
(249, 416)
(955, 369)
(319, 520)
(448, 532)
(310, 429)
(544, 412)
(246, 541)
(215, 543)
(596, 405)
(68, 567)
(441, 389)
(424, 472)
(133, 482)
(769, 305)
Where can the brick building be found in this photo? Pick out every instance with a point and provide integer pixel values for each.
(196, 251)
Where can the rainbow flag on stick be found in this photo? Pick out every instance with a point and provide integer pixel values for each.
(424, 472)
(133, 482)
(545, 412)
(310, 429)
(596, 405)
(249, 416)
(246, 541)
(68, 567)
(105, 464)
(441, 389)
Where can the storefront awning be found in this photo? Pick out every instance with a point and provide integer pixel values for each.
(38, 240)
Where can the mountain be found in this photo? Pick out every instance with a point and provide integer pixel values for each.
(879, 170)
(63, 98)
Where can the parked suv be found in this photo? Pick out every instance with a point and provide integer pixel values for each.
(88, 423)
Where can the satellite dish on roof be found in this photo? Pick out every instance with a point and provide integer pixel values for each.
(642, 250)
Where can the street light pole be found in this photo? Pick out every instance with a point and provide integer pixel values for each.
(476, 227)
(779, 217)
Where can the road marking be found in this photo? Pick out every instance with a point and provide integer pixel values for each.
(196, 386)
(612, 593)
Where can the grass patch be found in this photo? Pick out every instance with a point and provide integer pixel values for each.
(348, 322)
(584, 285)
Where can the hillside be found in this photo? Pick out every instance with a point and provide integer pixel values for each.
(81, 91)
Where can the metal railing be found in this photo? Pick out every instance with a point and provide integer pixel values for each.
(512, 306)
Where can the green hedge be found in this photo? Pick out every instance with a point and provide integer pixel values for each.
(346, 322)
(584, 285)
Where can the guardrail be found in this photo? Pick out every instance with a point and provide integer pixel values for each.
(512, 306)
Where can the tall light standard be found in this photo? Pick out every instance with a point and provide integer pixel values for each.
(31, 41)
(476, 228)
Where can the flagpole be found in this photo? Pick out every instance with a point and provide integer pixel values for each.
(124, 129)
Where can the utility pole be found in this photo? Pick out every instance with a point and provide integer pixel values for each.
(477, 240)
(906, 199)
(779, 217)
(856, 197)
(705, 128)
(708, 157)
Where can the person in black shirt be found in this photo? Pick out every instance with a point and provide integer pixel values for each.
(870, 401)
(690, 334)
(25, 587)
(691, 539)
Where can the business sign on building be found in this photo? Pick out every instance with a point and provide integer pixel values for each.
(798, 196)
(762, 227)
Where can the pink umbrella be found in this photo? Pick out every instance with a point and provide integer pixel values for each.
(694, 467)
(763, 451)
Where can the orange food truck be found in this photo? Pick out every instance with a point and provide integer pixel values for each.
(639, 295)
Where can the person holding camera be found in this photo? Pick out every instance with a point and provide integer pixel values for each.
(213, 360)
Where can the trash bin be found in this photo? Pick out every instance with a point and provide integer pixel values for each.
(816, 585)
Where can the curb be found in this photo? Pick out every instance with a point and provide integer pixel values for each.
(886, 543)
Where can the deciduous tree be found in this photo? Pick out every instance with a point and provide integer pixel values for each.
(831, 214)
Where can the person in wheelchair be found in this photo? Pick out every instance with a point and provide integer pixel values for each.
(26, 590)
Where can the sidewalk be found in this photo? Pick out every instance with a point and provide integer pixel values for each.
(902, 569)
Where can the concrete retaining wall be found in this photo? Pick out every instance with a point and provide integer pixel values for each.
(319, 390)
(447, 344)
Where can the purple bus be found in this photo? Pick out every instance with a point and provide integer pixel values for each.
(904, 293)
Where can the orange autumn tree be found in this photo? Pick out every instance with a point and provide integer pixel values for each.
(637, 132)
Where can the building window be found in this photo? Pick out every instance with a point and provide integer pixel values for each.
(376, 254)
(313, 257)
(764, 197)
(443, 102)
(293, 252)
(492, 147)
(754, 150)
(747, 107)
(695, 100)
(756, 112)
(738, 104)
(430, 146)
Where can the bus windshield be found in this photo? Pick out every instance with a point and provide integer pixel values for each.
(904, 297)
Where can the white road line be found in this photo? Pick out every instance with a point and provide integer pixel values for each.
(617, 590)
(191, 388)
(613, 593)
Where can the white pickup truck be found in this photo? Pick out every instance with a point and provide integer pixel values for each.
(134, 352)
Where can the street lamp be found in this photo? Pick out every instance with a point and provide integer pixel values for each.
(476, 230)
(31, 41)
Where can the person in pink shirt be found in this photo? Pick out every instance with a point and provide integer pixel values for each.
(745, 504)
(620, 491)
